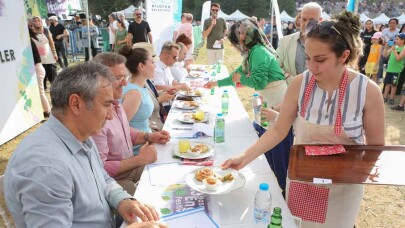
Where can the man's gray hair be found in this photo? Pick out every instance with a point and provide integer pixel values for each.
(109, 59)
(83, 80)
(312, 6)
(168, 46)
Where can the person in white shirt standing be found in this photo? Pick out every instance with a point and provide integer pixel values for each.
(112, 29)
(163, 78)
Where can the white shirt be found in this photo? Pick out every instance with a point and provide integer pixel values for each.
(178, 71)
(110, 32)
(163, 76)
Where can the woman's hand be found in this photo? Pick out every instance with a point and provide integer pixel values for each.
(211, 84)
(269, 114)
(237, 162)
(236, 78)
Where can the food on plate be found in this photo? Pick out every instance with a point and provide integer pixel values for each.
(191, 104)
(211, 183)
(200, 148)
(201, 174)
(228, 177)
(195, 75)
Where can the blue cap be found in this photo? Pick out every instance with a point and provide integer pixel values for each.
(401, 36)
(255, 94)
(225, 90)
(264, 186)
(219, 114)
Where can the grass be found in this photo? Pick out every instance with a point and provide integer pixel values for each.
(382, 206)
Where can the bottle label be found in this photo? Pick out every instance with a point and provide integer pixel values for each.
(261, 216)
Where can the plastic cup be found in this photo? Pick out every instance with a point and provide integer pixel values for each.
(184, 145)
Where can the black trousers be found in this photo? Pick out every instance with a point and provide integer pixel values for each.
(49, 73)
(93, 52)
(61, 51)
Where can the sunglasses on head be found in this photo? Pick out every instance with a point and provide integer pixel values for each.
(324, 28)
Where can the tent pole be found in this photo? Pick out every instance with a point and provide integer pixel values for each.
(271, 19)
(86, 5)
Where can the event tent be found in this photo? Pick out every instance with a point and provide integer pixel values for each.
(128, 12)
(364, 17)
(236, 16)
(325, 16)
(381, 19)
(401, 18)
(285, 17)
(223, 15)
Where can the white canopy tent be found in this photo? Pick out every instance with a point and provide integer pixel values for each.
(223, 15)
(128, 12)
(381, 19)
(236, 16)
(325, 16)
(401, 18)
(285, 17)
(364, 17)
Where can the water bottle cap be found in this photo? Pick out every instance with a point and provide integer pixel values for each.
(255, 95)
(264, 186)
(219, 114)
(225, 91)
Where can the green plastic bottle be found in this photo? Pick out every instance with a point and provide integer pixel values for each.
(276, 218)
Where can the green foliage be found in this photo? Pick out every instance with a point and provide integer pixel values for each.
(105, 7)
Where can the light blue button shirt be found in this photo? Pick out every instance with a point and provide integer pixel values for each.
(53, 180)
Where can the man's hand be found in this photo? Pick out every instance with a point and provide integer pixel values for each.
(128, 209)
(147, 154)
(182, 86)
(222, 41)
(165, 97)
(213, 22)
(59, 36)
(153, 224)
(211, 84)
(161, 137)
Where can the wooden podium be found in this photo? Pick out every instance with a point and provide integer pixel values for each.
(383, 165)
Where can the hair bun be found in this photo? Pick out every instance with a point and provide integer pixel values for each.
(125, 51)
(350, 20)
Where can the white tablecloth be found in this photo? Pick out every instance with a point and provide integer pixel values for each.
(233, 209)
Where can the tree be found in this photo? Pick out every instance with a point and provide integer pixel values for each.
(105, 7)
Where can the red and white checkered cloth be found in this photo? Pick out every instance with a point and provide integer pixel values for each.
(324, 150)
(342, 92)
(198, 162)
(308, 202)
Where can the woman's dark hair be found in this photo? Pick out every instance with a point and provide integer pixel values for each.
(381, 27)
(33, 35)
(121, 22)
(134, 57)
(343, 34)
(233, 38)
(394, 19)
(184, 39)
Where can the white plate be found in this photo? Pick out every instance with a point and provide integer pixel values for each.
(183, 118)
(226, 187)
(190, 155)
(195, 74)
(184, 105)
(191, 93)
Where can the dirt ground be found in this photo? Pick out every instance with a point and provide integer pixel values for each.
(383, 206)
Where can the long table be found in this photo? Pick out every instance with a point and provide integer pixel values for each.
(234, 209)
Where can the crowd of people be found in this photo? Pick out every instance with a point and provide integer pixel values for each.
(108, 113)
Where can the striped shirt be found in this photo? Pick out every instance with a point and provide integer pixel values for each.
(318, 111)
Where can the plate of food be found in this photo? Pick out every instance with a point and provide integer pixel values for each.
(191, 93)
(195, 75)
(192, 118)
(199, 68)
(196, 150)
(215, 181)
(189, 105)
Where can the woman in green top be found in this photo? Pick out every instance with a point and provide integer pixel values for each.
(121, 36)
(259, 69)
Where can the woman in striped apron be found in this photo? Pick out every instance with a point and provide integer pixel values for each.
(328, 104)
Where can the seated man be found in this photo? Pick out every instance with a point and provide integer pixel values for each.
(163, 78)
(178, 71)
(55, 177)
(116, 139)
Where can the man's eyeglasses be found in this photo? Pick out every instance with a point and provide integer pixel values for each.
(173, 56)
(215, 10)
(120, 78)
(138, 14)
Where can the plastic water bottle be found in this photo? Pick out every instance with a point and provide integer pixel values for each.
(219, 66)
(219, 129)
(262, 208)
(225, 102)
(257, 104)
(213, 74)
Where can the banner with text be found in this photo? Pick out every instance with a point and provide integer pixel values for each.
(60, 7)
(159, 15)
(20, 103)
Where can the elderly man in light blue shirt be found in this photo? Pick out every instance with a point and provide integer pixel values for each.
(55, 177)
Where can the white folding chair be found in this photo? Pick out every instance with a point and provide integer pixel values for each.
(3, 214)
